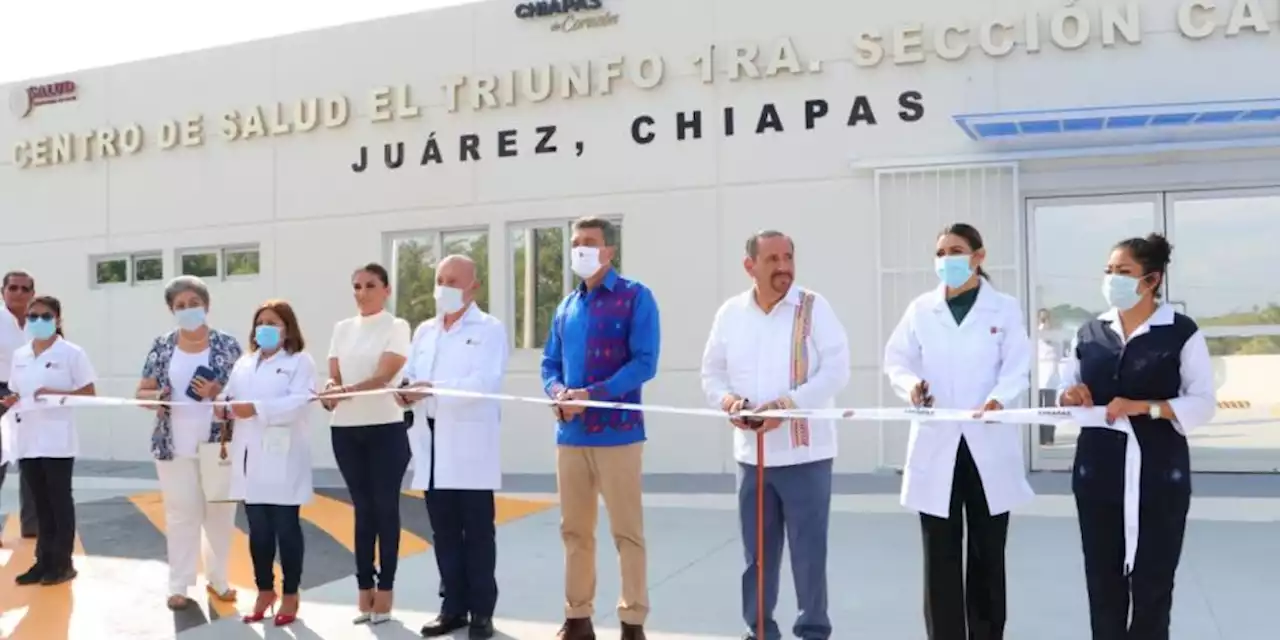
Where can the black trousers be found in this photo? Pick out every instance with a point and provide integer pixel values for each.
(273, 526)
(26, 512)
(50, 482)
(960, 595)
(466, 547)
(372, 460)
(1147, 593)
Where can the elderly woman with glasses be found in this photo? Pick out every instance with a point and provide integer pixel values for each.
(191, 364)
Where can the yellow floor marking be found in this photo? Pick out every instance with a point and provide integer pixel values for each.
(46, 613)
(338, 519)
(151, 505)
(505, 509)
(508, 509)
(38, 613)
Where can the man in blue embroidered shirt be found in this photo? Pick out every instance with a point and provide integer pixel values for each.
(603, 346)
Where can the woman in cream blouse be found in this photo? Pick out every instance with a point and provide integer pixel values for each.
(270, 390)
(370, 439)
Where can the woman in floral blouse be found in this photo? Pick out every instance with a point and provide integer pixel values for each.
(168, 373)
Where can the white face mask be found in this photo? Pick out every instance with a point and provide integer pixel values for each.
(585, 261)
(448, 300)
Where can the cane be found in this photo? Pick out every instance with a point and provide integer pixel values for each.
(760, 535)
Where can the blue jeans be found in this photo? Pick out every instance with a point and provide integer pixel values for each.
(797, 509)
(272, 526)
(372, 460)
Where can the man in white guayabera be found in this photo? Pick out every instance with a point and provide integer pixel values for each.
(778, 346)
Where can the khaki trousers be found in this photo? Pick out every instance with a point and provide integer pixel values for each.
(583, 474)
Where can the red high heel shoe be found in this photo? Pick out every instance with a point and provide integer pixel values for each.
(261, 608)
(285, 619)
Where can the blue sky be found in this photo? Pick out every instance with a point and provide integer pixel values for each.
(48, 37)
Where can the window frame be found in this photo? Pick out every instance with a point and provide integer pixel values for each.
(566, 272)
(391, 240)
(238, 248)
(196, 251)
(144, 255)
(219, 253)
(130, 271)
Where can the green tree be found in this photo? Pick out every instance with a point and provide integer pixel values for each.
(415, 279)
(548, 245)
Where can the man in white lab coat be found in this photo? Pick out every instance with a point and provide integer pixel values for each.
(19, 289)
(778, 346)
(455, 443)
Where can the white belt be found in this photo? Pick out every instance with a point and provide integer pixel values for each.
(1132, 478)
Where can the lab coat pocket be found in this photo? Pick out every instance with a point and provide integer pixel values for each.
(276, 440)
(273, 461)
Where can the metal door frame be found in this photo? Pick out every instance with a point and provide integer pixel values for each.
(1164, 222)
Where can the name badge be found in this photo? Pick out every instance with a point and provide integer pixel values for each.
(275, 440)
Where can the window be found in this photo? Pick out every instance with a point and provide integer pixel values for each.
(148, 268)
(241, 262)
(542, 278)
(112, 270)
(230, 262)
(414, 257)
(201, 265)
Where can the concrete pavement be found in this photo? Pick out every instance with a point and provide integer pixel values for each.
(1228, 583)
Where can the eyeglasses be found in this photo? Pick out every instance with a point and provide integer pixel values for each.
(15, 288)
(31, 317)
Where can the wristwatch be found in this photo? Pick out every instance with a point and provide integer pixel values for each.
(1154, 411)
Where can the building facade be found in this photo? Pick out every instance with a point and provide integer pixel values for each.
(275, 168)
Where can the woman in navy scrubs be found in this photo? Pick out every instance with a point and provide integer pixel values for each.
(1147, 363)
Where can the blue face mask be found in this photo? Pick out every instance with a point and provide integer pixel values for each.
(190, 319)
(267, 336)
(953, 271)
(41, 329)
(1121, 291)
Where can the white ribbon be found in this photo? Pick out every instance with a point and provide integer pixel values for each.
(1087, 418)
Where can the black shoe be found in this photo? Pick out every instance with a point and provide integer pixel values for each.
(443, 625)
(60, 577)
(632, 632)
(577, 629)
(34, 575)
(480, 629)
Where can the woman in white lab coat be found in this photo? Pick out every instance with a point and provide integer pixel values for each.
(964, 346)
(270, 389)
(45, 440)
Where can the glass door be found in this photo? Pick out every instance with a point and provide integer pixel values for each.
(1225, 276)
(1069, 240)
(1221, 275)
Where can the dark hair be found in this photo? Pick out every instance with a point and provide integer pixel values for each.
(1152, 253)
(53, 304)
(18, 273)
(971, 237)
(293, 342)
(753, 243)
(378, 271)
(607, 229)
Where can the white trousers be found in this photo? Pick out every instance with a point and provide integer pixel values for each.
(194, 526)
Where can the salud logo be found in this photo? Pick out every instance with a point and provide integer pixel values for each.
(22, 101)
(19, 102)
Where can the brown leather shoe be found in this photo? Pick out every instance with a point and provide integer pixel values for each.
(632, 632)
(577, 629)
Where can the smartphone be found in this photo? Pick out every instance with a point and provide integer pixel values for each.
(202, 371)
